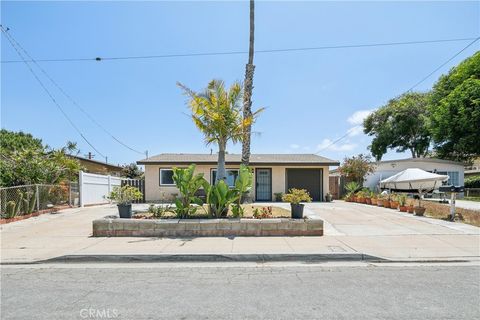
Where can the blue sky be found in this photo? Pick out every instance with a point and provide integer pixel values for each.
(312, 97)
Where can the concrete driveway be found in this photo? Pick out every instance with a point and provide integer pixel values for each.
(350, 229)
(391, 234)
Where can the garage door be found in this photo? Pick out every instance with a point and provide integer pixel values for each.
(309, 179)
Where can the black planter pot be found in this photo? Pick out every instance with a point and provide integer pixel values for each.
(125, 210)
(297, 210)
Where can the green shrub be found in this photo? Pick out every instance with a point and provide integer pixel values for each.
(296, 196)
(125, 195)
(472, 182)
(188, 184)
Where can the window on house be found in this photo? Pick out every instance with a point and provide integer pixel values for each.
(166, 177)
(232, 175)
(453, 177)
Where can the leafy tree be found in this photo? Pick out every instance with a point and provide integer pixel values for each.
(132, 171)
(217, 114)
(25, 160)
(401, 124)
(357, 168)
(455, 112)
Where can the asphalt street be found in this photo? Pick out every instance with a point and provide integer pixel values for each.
(151, 291)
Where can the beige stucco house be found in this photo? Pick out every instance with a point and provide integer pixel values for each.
(273, 173)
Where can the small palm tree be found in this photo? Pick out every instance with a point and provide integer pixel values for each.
(217, 113)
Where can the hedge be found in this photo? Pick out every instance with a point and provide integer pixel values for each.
(472, 182)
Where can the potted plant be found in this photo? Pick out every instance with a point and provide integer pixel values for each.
(386, 201)
(124, 196)
(295, 196)
(374, 199)
(419, 210)
(278, 196)
(361, 196)
(402, 203)
(351, 188)
(328, 197)
(410, 207)
(380, 200)
(394, 201)
(368, 197)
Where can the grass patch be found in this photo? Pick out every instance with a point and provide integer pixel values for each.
(476, 199)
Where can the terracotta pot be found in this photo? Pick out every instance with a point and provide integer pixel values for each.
(354, 199)
(368, 200)
(380, 202)
(419, 211)
(386, 203)
(394, 204)
(374, 201)
(410, 209)
(402, 208)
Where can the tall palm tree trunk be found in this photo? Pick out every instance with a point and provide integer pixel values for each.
(221, 172)
(248, 88)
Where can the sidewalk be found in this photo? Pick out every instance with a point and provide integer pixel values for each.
(351, 230)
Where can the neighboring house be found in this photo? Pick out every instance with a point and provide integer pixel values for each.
(474, 169)
(94, 166)
(273, 173)
(385, 169)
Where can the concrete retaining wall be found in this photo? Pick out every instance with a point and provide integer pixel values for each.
(116, 227)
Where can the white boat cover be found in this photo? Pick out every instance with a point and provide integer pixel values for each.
(413, 180)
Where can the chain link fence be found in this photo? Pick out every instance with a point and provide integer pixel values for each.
(28, 199)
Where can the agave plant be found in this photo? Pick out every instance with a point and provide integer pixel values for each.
(352, 188)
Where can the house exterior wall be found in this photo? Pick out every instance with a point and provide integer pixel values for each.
(155, 192)
(98, 168)
(388, 169)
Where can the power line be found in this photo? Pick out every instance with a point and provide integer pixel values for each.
(71, 99)
(199, 54)
(48, 92)
(339, 139)
(414, 86)
(443, 64)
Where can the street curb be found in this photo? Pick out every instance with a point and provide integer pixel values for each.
(206, 258)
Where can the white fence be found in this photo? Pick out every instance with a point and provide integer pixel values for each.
(95, 188)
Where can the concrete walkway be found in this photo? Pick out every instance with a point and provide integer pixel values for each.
(349, 229)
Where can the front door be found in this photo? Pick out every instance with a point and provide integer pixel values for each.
(263, 185)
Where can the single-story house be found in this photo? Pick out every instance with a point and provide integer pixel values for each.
(273, 173)
(385, 169)
(98, 167)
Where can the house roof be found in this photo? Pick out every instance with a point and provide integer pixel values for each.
(431, 160)
(273, 159)
(106, 165)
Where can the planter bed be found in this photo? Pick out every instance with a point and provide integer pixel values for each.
(116, 227)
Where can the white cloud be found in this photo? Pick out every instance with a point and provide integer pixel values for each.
(355, 131)
(358, 116)
(294, 146)
(326, 144)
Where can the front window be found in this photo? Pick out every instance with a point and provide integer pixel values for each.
(166, 177)
(453, 177)
(231, 174)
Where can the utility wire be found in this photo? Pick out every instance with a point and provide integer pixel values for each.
(48, 92)
(413, 87)
(443, 64)
(71, 99)
(198, 54)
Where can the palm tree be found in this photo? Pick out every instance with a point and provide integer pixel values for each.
(247, 99)
(217, 114)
